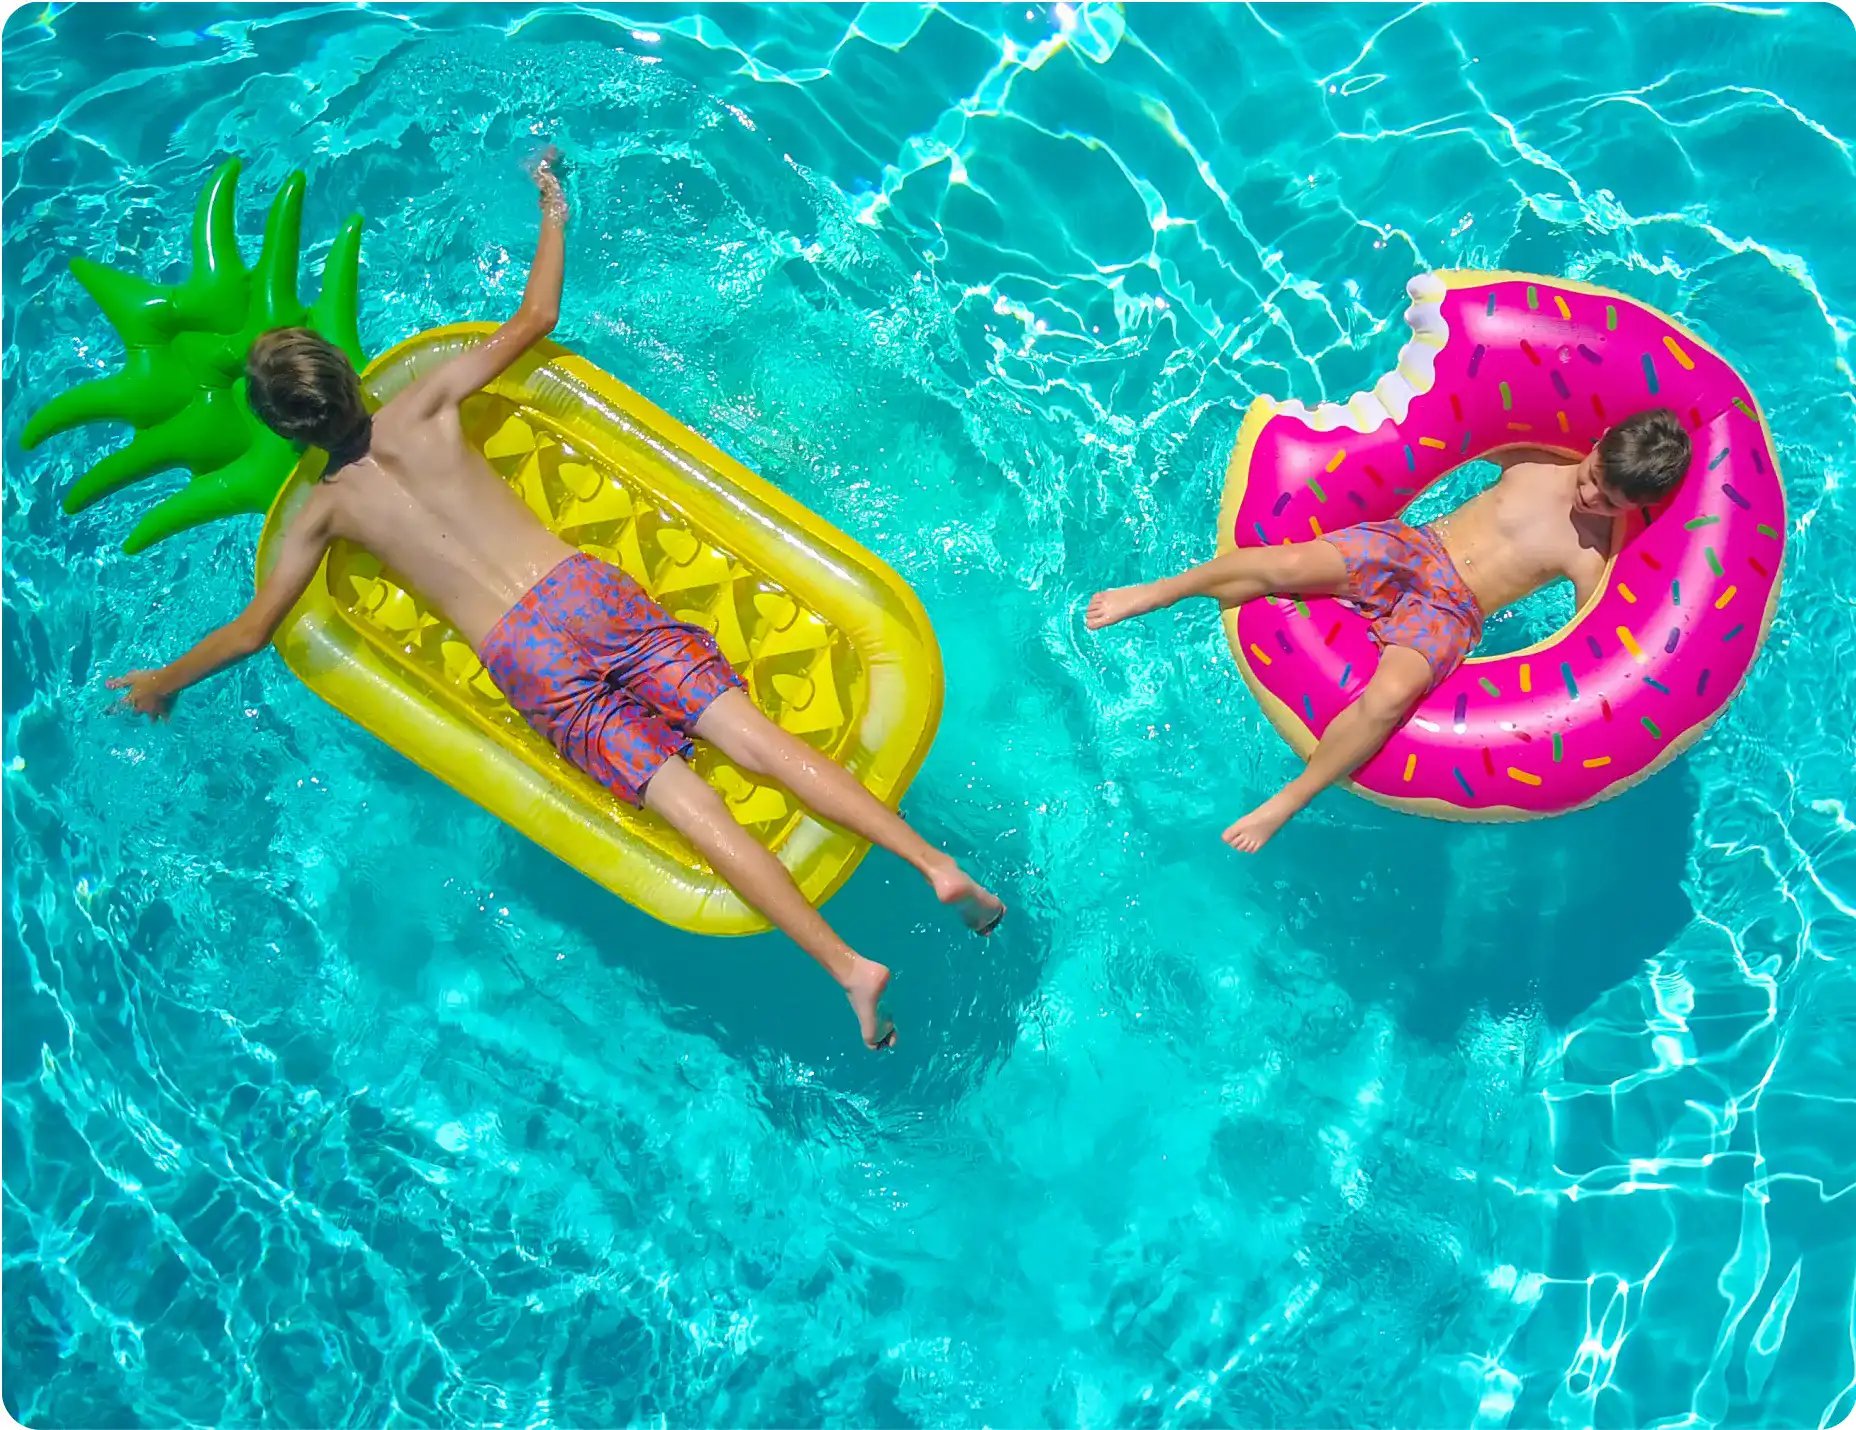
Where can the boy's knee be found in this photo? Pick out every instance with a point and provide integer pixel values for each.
(1388, 698)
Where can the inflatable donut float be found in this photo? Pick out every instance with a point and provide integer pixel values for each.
(1500, 360)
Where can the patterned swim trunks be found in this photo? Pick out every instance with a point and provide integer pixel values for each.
(608, 675)
(1404, 582)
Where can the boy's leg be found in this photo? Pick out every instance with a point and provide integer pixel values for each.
(681, 796)
(736, 727)
(1400, 681)
(1303, 568)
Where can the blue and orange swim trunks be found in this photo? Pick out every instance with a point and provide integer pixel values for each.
(609, 676)
(1404, 582)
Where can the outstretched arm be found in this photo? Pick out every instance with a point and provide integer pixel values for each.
(152, 692)
(534, 319)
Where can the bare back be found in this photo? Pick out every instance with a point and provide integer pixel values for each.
(1524, 532)
(441, 521)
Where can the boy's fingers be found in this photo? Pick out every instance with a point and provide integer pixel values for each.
(116, 682)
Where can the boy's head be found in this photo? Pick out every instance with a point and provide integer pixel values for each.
(1637, 463)
(304, 388)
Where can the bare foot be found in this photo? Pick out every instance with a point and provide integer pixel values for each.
(865, 990)
(1253, 831)
(1106, 608)
(979, 907)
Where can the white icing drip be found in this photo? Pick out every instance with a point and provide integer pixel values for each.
(1393, 394)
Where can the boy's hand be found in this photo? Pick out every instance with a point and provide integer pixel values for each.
(553, 197)
(145, 697)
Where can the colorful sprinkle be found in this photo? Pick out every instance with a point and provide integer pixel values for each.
(1598, 407)
(1430, 442)
(1759, 462)
(1719, 457)
(1565, 426)
(1490, 686)
(1675, 351)
(1346, 674)
(1340, 455)
(1411, 462)
(1753, 561)
(1333, 631)
(1572, 686)
(1650, 725)
(1488, 761)
(1696, 523)
(1604, 706)
(1731, 634)
(1741, 404)
(1475, 359)
(1598, 651)
(1314, 486)
(1507, 398)
(1281, 502)
(1765, 530)
(1527, 677)
(1675, 634)
(1611, 317)
(1463, 782)
(1462, 711)
(1559, 385)
(1260, 653)
(1597, 762)
(1308, 711)
(1463, 446)
(1528, 349)
(1533, 296)
(1701, 686)
(1523, 776)
(1725, 596)
(1655, 684)
(1714, 562)
(1456, 407)
(1675, 592)
(1694, 418)
(1560, 303)
(1262, 535)
(1651, 561)
(1588, 354)
(1411, 767)
(1629, 595)
(1735, 497)
(1403, 491)
(1301, 607)
(1649, 372)
(1357, 500)
(1490, 310)
(1282, 639)
(1559, 748)
(1314, 525)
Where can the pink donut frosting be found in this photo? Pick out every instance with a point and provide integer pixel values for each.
(1498, 360)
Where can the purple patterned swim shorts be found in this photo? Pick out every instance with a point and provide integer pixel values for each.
(608, 675)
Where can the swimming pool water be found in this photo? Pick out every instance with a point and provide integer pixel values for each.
(330, 1101)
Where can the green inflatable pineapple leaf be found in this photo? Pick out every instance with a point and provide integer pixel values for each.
(182, 384)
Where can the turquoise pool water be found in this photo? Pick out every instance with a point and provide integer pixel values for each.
(329, 1101)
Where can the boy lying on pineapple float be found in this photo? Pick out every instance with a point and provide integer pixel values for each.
(618, 685)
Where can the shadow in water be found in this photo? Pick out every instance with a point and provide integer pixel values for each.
(954, 996)
(1437, 920)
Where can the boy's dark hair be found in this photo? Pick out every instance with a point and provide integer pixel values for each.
(1644, 456)
(303, 387)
